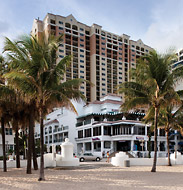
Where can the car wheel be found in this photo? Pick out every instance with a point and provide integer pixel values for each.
(82, 159)
(97, 159)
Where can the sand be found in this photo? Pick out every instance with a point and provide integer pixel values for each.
(94, 176)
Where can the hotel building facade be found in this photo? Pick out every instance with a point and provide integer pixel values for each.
(99, 56)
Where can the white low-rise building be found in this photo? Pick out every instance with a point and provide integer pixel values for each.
(9, 141)
(59, 125)
(102, 128)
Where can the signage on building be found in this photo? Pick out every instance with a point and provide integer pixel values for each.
(95, 139)
(139, 138)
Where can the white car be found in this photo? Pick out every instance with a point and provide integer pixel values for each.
(89, 157)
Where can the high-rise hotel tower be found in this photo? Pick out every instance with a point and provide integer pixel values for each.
(99, 56)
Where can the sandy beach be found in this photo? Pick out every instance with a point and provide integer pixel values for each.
(95, 176)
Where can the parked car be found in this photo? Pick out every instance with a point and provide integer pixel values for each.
(89, 157)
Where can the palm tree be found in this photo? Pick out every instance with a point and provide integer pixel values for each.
(152, 86)
(171, 120)
(40, 76)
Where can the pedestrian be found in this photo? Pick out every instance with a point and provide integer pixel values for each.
(103, 154)
(108, 156)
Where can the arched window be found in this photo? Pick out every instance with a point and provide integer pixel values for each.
(67, 25)
(74, 27)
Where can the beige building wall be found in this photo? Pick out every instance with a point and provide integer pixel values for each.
(99, 56)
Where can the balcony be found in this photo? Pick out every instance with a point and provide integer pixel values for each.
(79, 124)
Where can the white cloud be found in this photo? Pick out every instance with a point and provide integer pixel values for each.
(167, 27)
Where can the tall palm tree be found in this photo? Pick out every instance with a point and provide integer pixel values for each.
(171, 119)
(152, 86)
(40, 76)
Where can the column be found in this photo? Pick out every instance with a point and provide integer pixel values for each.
(112, 146)
(146, 130)
(132, 145)
(132, 130)
(102, 130)
(102, 146)
(111, 130)
(145, 146)
(92, 146)
(83, 149)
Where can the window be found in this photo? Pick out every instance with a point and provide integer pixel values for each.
(120, 73)
(103, 84)
(81, 71)
(81, 55)
(120, 58)
(103, 53)
(103, 79)
(103, 89)
(81, 34)
(120, 48)
(81, 29)
(96, 131)
(107, 144)
(61, 56)
(103, 59)
(81, 66)
(120, 63)
(80, 134)
(81, 45)
(120, 68)
(81, 61)
(120, 78)
(61, 50)
(103, 43)
(103, 38)
(103, 48)
(81, 50)
(52, 21)
(103, 69)
(88, 132)
(81, 40)
(103, 74)
(81, 77)
(60, 22)
(120, 43)
(133, 50)
(103, 64)
(133, 46)
(120, 53)
(60, 28)
(82, 87)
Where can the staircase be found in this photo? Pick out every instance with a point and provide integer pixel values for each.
(113, 154)
(127, 153)
(130, 155)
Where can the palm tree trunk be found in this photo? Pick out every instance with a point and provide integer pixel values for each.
(34, 155)
(155, 140)
(3, 143)
(168, 148)
(29, 153)
(17, 144)
(41, 175)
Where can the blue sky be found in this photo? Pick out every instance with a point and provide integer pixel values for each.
(158, 23)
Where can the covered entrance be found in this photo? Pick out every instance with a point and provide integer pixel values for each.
(123, 145)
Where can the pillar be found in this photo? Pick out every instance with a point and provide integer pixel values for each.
(102, 130)
(132, 145)
(92, 146)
